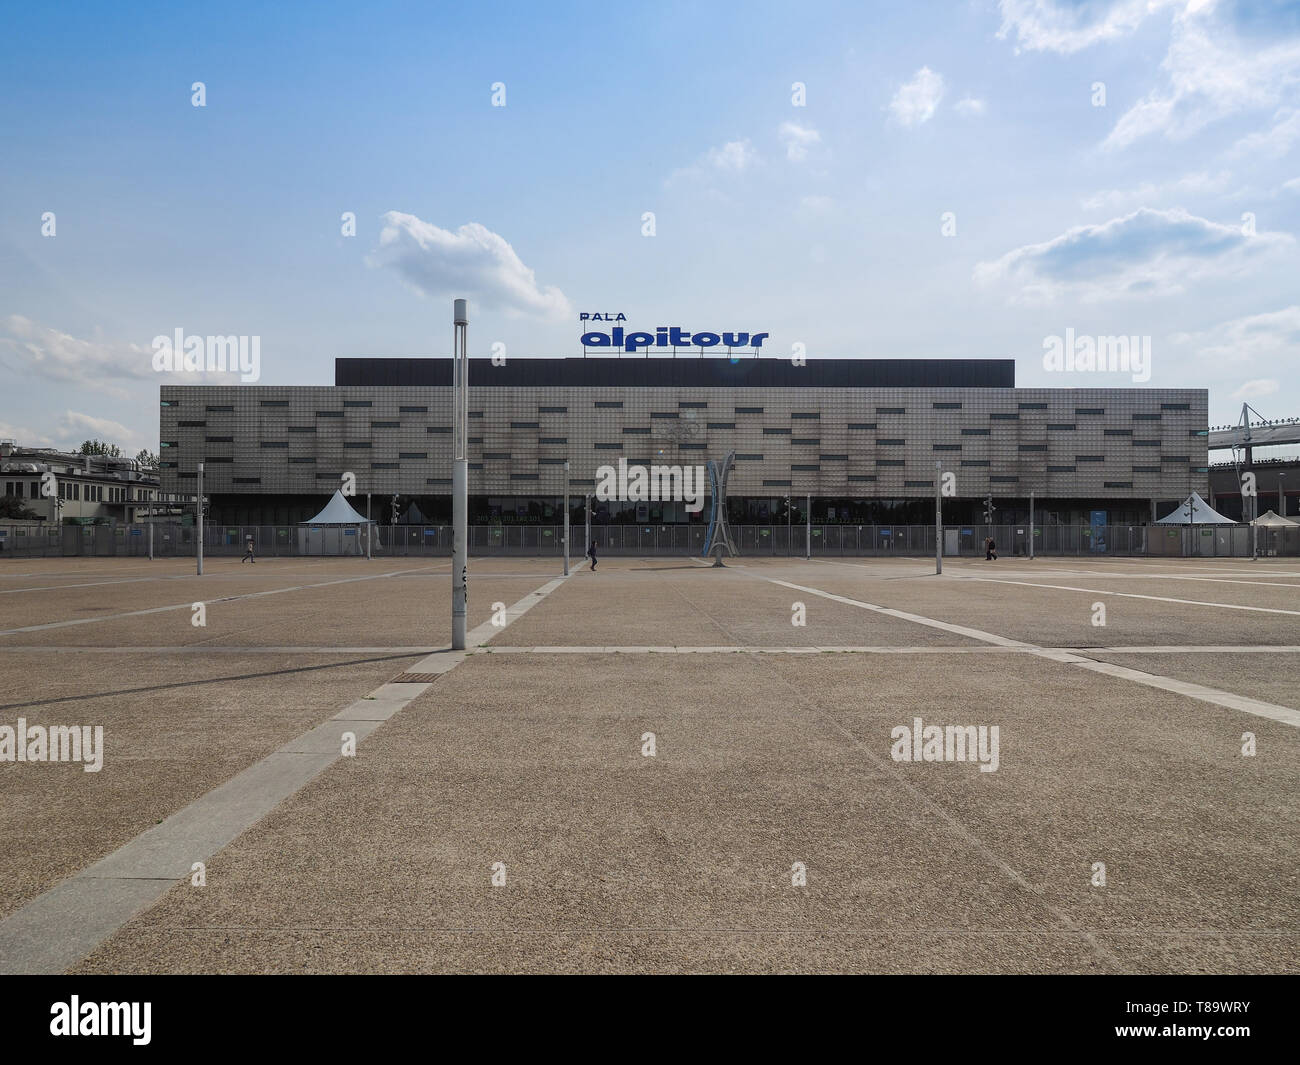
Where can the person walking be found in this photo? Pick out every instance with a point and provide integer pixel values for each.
(248, 552)
(591, 554)
(990, 550)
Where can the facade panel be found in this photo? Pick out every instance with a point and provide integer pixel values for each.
(1077, 444)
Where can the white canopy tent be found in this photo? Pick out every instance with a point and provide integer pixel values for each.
(1274, 520)
(413, 515)
(338, 511)
(1277, 532)
(334, 531)
(1202, 513)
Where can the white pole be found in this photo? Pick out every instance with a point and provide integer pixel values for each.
(460, 476)
(808, 534)
(566, 517)
(1281, 510)
(198, 509)
(1031, 526)
(370, 529)
(938, 520)
(586, 514)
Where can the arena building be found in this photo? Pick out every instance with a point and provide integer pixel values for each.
(861, 439)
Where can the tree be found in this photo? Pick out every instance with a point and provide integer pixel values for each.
(147, 458)
(13, 509)
(98, 447)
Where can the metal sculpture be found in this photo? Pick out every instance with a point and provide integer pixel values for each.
(719, 534)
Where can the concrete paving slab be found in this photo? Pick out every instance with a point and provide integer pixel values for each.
(1062, 618)
(64, 925)
(700, 606)
(196, 831)
(1273, 677)
(167, 851)
(684, 861)
(169, 735)
(527, 762)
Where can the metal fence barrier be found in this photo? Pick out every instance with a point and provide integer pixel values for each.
(173, 540)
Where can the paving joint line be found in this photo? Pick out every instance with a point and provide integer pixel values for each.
(950, 819)
(1135, 595)
(1258, 707)
(189, 605)
(878, 649)
(70, 920)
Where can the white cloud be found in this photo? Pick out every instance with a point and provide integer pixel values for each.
(734, 157)
(1045, 26)
(1269, 339)
(1272, 143)
(916, 101)
(1149, 194)
(1222, 58)
(970, 107)
(21, 434)
(811, 207)
(798, 140)
(1210, 72)
(1148, 252)
(472, 262)
(76, 427)
(98, 364)
(40, 350)
(1261, 386)
(1293, 185)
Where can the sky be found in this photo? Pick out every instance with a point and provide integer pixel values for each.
(857, 180)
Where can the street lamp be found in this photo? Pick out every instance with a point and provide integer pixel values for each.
(199, 511)
(566, 517)
(938, 518)
(1031, 526)
(459, 474)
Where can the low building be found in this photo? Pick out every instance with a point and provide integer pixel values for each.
(1276, 484)
(86, 489)
(861, 439)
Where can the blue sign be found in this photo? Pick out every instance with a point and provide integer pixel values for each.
(670, 337)
(1097, 530)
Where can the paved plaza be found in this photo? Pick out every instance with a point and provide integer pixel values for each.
(655, 767)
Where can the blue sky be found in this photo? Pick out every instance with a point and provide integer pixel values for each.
(1171, 211)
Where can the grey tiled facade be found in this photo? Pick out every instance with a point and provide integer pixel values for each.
(1063, 443)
